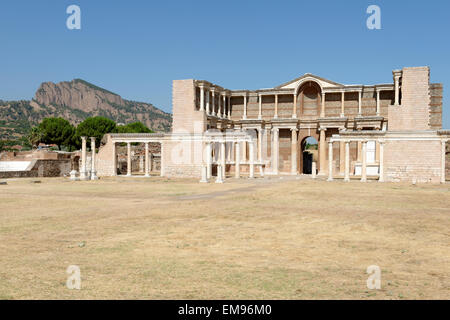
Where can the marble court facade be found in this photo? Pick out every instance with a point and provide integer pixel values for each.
(385, 132)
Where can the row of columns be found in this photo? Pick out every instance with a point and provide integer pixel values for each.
(224, 109)
(222, 159)
(84, 173)
(147, 164)
(347, 161)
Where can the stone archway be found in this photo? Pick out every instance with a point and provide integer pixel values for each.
(309, 148)
(309, 95)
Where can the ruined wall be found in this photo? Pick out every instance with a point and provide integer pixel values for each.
(181, 159)
(187, 118)
(41, 168)
(412, 160)
(413, 113)
(436, 91)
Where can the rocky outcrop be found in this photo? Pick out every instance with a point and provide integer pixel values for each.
(75, 101)
(95, 101)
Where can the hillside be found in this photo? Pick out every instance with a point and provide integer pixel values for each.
(75, 101)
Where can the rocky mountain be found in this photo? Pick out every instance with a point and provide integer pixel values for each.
(75, 101)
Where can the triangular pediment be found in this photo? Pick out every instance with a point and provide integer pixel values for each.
(324, 83)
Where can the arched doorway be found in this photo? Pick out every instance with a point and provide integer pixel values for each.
(310, 99)
(309, 154)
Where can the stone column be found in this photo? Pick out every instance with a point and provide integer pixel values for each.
(443, 143)
(260, 108)
(208, 160)
(341, 157)
(252, 159)
(276, 107)
(223, 158)
(378, 102)
(114, 155)
(245, 107)
(397, 74)
(275, 151)
(322, 151)
(128, 159)
(147, 162)
(237, 160)
(93, 171)
(359, 103)
(219, 112)
(83, 171)
(163, 173)
(342, 104)
(202, 98)
(294, 110)
(213, 104)
(294, 151)
(229, 107)
(208, 109)
(224, 100)
(260, 141)
(381, 144)
(322, 110)
(364, 162)
(330, 161)
(347, 161)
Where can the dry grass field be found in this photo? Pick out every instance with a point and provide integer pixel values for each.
(156, 238)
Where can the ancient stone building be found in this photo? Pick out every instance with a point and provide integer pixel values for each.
(386, 132)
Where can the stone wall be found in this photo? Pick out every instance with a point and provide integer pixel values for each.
(182, 159)
(413, 113)
(186, 117)
(436, 91)
(42, 168)
(408, 160)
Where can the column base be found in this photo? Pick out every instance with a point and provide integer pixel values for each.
(363, 180)
(330, 179)
(346, 179)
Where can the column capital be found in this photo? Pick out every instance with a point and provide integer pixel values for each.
(322, 129)
(83, 137)
(294, 129)
(92, 139)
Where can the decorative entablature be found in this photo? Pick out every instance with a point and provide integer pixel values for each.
(284, 123)
(364, 122)
(333, 123)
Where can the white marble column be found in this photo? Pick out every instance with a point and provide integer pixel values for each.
(83, 170)
(213, 104)
(342, 104)
(252, 159)
(330, 161)
(93, 170)
(381, 168)
(359, 103)
(224, 100)
(202, 98)
(397, 75)
(322, 109)
(443, 143)
(208, 107)
(114, 157)
(347, 161)
(147, 162)
(260, 141)
(229, 107)
(208, 160)
(260, 108)
(219, 107)
(364, 162)
(163, 173)
(275, 150)
(322, 151)
(223, 158)
(128, 159)
(237, 160)
(294, 151)
(275, 116)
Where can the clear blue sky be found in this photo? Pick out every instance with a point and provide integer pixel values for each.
(136, 48)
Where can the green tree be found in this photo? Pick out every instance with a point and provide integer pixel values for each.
(135, 127)
(56, 130)
(95, 127)
(35, 136)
